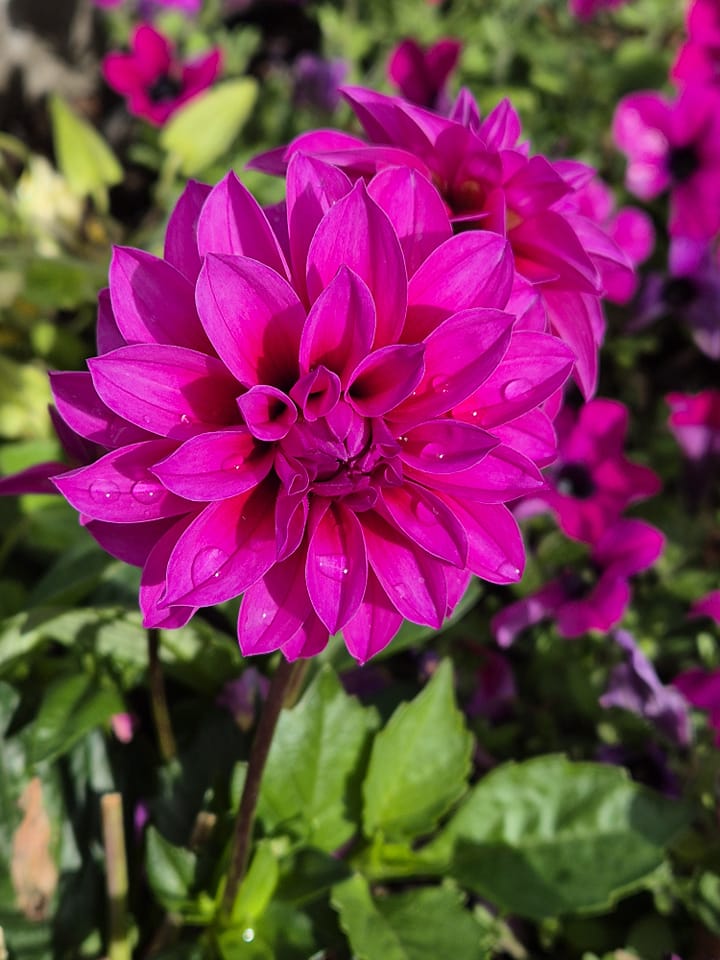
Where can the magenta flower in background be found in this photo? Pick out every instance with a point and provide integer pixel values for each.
(701, 688)
(421, 73)
(152, 78)
(695, 423)
(587, 9)
(316, 81)
(590, 597)
(279, 417)
(489, 183)
(635, 686)
(674, 146)
(708, 606)
(495, 689)
(592, 482)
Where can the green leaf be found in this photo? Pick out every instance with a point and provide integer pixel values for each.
(170, 870)
(316, 753)
(549, 836)
(84, 159)
(258, 887)
(419, 763)
(421, 924)
(202, 130)
(72, 706)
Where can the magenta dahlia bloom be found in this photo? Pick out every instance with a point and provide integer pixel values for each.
(695, 423)
(701, 688)
(674, 146)
(152, 78)
(592, 482)
(421, 73)
(327, 417)
(488, 182)
(590, 597)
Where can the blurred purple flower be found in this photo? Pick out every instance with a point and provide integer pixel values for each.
(675, 146)
(317, 81)
(586, 9)
(495, 688)
(242, 696)
(634, 685)
(589, 597)
(707, 606)
(701, 688)
(152, 78)
(592, 482)
(695, 423)
(421, 73)
(648, 765)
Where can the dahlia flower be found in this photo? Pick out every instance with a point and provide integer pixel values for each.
(153, 80)
(490, 183)
(592, 482)
(327, 416)
(674, 146)
(591, 597)
(421, 73)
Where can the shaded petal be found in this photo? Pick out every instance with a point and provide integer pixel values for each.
(374, 625)
(275, 608)
(172, 391)
(181, 244)
(385, 378)
(412, 579)
(308, 640)
(77, 402)
(547, 248)
(120, 488)
(268, 412)
(600, 610)
(340, 326)
(473, 269)
(199, 73)
(575, 319)
(35, 479)
(336, 567)
(214, 466)
(317, 393)
(232, 222)
(226, 549)
(129, 542)
(108, 336)
(152, 52)
(357, 233)
(156, 613)
(253, 318)
(502, 475)
(427, 521)
(628, 547)
(495, 547)
(532, 434)
(444, 446)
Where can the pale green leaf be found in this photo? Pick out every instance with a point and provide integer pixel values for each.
(84, 158)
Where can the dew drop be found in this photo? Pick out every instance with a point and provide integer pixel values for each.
(441, 456)
(474, 413)
(248, 935)
(234, 462)
(516, 388)
(333, 566)
(144, 491)
(104, 491)
(508, 570)
(440, 384)
(206, 565)
(184, 418)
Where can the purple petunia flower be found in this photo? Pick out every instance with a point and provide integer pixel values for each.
(695, 423)
(317, 81)
(708, 606)
(421, 73)
(151, 77)
(634, 685)
(590, 597)
(326, 419)
(675, 146)
(701, 688)
(592, 482)
(495, 688)
(488, 182)
(648, 765)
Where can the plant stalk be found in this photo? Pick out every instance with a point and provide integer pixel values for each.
(116, 876)
(158, 700)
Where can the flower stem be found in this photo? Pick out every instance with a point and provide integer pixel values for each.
(281, 683)
(161, 714)
(116, 875)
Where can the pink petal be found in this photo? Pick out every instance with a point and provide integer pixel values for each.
(357, 233)
(120, 487)
(268, 412)
(336, 567)
(84, 412)
(214, 466)
(416, 211)
(600, 610)
(320, 142)
(108, 336)
(171, 391)
(573, 318)
(152, 52)
(411, 578)
(516, 617)
(496, 551)
(547, 248)
(317, 393)
(628, 547)
(427, 521)
(156, 613)
(121, 73)
(459, 355)
(181, 245)
(275, 608)
(253, 318)
(200, 73)
(232, 222)
(708, 606)
(340, 327)
(129, 542)
(473, 269)
(374, 625)
(309, 639)
(532, 434)
(502, 475)
(385, 378)
(444, 446)
(35, 479)
(226, 549)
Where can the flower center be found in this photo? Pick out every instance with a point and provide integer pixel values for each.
(575, 480)
(679, 292)
(578, 583)
(164, 88)
(683, 162)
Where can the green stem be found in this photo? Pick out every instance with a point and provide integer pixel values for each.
(281, 684)
(161, 714)
(116, 876)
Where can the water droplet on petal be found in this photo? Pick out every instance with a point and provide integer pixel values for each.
(333, 566)
(516, 388)
(104, 491)
(207, 564)
(184, 418)
(248, 935)
(440, 384)
(144, 491)
(474, 413)
(509, 570)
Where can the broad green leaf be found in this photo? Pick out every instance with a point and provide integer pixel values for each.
(202, 130)
(170, 870)
(419, 763)
(422, 924)
(199, 655)
(308, 874)
(72, 706)
(315, 757)
(549, 836)
(84, 158)
(258, 887)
